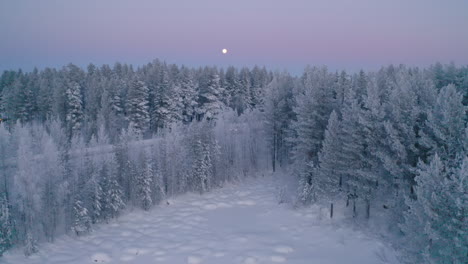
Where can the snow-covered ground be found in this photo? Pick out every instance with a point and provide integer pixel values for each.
(240, 223)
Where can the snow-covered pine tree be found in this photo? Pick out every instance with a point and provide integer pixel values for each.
(45, 98)
(158, 187)
(330, 171)
(278, 116)
(177, 104)
(259, 80)
(74, 108)
(453, 204)
(27, 186)
(95, 84)
(112, 192)
(201, 167)
(231, 85)
(343, 84)
(314, 105)
(352, 139)
(138, 106)
(30, 245)
(163, 100)
(95, 196)
(360, 85)
(7, 150)
(122, 161)
(112, 107)
(371, 132)
(434, 227)
(446, 126)
(27, 105)
(51, 170)
(82, 221)
(6, 226)
(188, 95)
(244, 101)
(307, 192)
(209, 103)
(144, 182)
(12, 98)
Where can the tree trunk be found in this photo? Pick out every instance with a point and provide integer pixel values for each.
(368, 209)
(354, 207)
(331, 210)
(273, 161)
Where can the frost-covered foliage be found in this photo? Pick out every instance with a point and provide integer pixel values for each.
(79, 146)
(55, 189)
(396, 141)
(6, 226)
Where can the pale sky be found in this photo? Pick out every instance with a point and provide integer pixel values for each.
(286, 34)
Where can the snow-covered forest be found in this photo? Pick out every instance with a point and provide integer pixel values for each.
(82, 146)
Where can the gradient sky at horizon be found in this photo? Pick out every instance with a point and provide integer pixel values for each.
(342, 34)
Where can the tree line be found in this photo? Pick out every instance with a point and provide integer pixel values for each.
(393, 140)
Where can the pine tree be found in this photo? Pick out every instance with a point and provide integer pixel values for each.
(201, 167)
(258, 83)
(6, 226)
(45, 98)
(138, 106)
(209, 103)
(27, 104)
(27, 185)
(231, 84)
(96, 198)
(434, 226)
(352, 140)
(112, 192)
(454, 233)
(158, 187)
(144, 182)
(113, 108)
(278, 116)
(314, 106)
(12, 99)
(188, 95)
(82, 222)
(51, 173)
(445, 132)
(163, 100)
(244, 101)
(74, 108)
(330, 167)
(308, 183)
(30, 246)
(371, 131)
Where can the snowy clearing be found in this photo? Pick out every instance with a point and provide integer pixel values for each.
(240, 223)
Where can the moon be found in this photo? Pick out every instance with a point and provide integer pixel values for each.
(224, 51)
